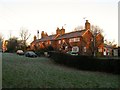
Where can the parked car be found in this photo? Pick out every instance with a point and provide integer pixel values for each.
(20, 52)
(72, 53)
(30, 54)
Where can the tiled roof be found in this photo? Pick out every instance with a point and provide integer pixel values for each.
(66, 35)
(51, 37)
(72, 34)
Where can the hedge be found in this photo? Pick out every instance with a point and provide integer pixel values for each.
(87, 62)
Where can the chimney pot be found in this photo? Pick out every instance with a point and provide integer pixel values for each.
(35, 38)
(87, 25)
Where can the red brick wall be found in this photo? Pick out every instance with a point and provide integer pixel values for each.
(87, 38)
(99, 40)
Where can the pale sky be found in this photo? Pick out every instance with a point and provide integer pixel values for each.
(47, 15)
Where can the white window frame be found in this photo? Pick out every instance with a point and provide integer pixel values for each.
(59, 42)
(99, 49)
(74, 39)
(75, 49)
(66, 47)
(85, 49)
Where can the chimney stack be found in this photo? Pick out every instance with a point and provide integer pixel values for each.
(35, 38)
(87, 25)
(42, 34)
(45, 34)
(60, 31)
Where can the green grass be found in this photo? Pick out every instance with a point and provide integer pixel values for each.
(40, 72)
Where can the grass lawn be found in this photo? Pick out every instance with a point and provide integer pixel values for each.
(23, 72)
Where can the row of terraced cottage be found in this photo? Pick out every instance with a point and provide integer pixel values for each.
(79, 41)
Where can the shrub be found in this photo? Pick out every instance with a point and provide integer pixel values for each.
(40, 52)
(87, 62)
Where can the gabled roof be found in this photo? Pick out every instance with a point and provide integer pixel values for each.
(72, 34)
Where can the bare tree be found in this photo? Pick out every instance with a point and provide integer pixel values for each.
(53, 33)
(96, 29)
(78, 28)
(24, 34)
(12, 44)
(110, 43)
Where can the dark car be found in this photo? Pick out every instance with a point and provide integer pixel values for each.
(30, 54)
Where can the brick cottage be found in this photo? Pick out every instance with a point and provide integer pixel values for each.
(83, 41)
